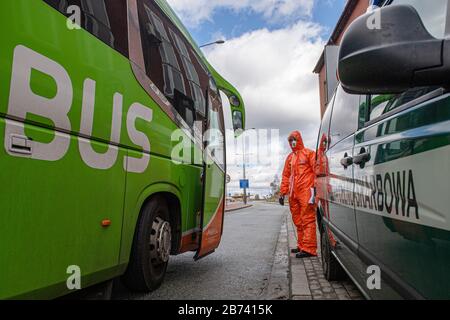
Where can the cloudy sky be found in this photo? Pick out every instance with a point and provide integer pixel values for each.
(271, 49)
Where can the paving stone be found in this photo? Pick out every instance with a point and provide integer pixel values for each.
(331, 296)
(327, 289)
(314, 282)
(301, 298)
(341, 291)
(354, 294)
(314, 287)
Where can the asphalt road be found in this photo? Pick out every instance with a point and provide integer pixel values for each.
(239, 269)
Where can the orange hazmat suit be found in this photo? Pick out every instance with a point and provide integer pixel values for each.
(298, 183)
(323, 186)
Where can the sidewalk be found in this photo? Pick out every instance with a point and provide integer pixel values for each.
(307, 279)
(236, 206)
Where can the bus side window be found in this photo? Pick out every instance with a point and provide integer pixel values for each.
(105, 19)
(193, 76)
(171, 63)
(161, 61)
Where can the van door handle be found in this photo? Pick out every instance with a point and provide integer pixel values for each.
(362, 158)
(346, 161)
(20, 144)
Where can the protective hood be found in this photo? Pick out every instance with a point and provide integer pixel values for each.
(297, 135)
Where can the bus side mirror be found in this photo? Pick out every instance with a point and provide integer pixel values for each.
(234, 101)
(238, 124)
(397, 54)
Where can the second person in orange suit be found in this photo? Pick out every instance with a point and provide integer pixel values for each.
(298, 183)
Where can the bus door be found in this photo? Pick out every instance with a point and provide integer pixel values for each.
(212, 214)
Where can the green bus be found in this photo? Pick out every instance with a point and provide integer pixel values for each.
(91, 94)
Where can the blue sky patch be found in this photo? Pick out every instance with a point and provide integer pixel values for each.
(230, 23)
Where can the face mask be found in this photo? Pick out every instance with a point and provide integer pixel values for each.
(293, 143)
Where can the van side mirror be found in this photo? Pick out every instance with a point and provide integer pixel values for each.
(400, 55)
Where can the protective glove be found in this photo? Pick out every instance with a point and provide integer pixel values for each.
(281, 200)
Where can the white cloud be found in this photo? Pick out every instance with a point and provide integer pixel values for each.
(273, 72)
(194, 12)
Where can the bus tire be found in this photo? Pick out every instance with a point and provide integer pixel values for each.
(151, 248)
(332, 270)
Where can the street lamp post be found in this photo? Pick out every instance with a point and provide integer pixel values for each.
(213, 43)
(243, 166)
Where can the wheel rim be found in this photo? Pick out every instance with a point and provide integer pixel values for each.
(160, 242)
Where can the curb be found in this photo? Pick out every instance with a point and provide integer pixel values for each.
(299, 284)
(239, 208)
(278, 287)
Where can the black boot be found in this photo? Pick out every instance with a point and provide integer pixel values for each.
(297, 250)
(303, 254)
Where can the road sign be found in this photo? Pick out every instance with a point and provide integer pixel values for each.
(245, 184)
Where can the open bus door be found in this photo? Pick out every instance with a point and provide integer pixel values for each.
(214, 178)
(213, 211)
(214, 172)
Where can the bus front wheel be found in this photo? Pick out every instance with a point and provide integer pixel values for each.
(151, 248)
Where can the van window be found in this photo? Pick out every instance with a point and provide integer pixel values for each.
(344, 120)
(105, 19)
(379, 105)
(325, 127)
(382, 104)
(433, 14)
(363, 111)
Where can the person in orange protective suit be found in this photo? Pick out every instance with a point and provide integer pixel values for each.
(323, 186)
(298, 183)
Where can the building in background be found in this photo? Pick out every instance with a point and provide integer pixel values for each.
(326, 67)
(275, 186)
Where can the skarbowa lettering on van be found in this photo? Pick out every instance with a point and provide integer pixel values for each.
(23, 100)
